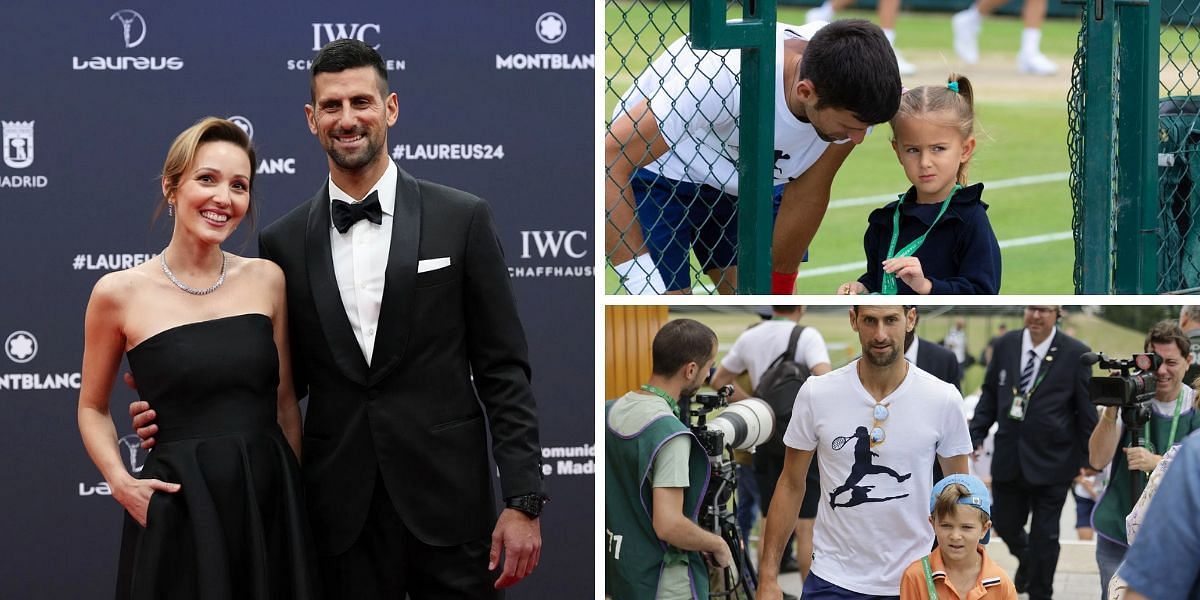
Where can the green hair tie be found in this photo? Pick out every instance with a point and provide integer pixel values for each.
(953, 85)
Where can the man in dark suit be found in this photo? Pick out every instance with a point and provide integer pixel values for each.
(935, 359)
(406, 339)
(1036, 388)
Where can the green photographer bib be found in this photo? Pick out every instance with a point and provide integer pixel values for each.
(634, 556)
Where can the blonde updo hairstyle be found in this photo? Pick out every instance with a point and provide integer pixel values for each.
(944, 106)
(183, 152)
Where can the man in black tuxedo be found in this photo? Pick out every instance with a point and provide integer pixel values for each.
(406, 339)
(1036, 388)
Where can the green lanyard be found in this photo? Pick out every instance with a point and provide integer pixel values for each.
(1174, 426)
(665, 396)
(929, 577)
(889, 279)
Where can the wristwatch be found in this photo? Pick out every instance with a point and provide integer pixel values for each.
(530, 504)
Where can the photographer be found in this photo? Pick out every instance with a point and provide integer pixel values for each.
(655, 477)
(1173, 416)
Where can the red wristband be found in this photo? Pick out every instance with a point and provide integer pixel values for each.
(783, 283)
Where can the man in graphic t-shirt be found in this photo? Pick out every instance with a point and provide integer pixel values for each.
(875, 421)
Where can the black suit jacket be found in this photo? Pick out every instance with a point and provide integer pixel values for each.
(1050, 445)
(939, 361)
(413, 415)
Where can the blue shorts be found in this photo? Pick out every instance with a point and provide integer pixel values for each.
(679, 217)
(816, 588)
(1083, 510)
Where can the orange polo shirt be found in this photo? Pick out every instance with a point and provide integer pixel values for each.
(991, 584)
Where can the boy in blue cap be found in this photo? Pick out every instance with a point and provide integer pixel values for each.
(960, 510)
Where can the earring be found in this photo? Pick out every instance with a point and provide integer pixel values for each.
(171, 209)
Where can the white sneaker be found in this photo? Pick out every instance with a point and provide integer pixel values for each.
(906, 68)
(820, 13)
(1035, 63)
(966, 25)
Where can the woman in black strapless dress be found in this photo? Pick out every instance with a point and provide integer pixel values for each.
(216, 512)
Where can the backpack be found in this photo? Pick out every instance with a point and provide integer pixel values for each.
(779, 385)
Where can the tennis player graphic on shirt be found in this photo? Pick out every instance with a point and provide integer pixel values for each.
(863, 466)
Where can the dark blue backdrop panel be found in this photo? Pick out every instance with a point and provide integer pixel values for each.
(495, 98)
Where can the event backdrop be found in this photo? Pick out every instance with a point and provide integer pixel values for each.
(496, 98)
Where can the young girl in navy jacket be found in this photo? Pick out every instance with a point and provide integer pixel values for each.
(936, 239)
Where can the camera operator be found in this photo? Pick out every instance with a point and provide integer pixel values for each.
(1172, 417)
(655, 476)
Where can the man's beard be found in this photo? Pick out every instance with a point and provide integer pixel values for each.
(353, 162)
(884, 360)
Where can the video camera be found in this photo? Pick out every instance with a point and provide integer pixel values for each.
(741, 426)
(1134, 385)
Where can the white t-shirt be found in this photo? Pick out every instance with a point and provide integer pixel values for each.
(880, 524)
(758, 346)
(695, 95)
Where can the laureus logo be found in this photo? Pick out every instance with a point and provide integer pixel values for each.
(132, 26)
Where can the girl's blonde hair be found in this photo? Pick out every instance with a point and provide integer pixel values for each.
(928, 99)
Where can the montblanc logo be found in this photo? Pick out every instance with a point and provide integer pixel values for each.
(550, 28)
(323, 33)
(133, 33)
(21, 346)
(244, 123)
(128, 19)
(266, 166)
(553, 247)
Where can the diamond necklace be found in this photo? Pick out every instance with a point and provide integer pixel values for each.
(162, 258)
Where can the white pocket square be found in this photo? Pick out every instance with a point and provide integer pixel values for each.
(433, 264)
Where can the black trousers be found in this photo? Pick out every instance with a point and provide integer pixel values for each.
(768, 466)
(389, 562)
(1037, 550)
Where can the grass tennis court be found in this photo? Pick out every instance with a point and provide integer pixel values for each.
(1021, 135)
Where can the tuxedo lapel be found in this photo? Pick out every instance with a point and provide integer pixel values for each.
(399, 279)
(328, 300)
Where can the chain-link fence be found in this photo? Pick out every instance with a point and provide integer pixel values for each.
(671, 209)
(1179, 148)
(1136, 195)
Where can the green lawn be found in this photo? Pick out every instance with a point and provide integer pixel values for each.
(1016, 137)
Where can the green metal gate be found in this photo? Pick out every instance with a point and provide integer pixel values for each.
(636, 33)
(1135, 147)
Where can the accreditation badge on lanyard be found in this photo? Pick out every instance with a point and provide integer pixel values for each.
(889, 279)
(1020, 402)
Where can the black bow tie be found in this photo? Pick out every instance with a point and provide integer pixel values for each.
(346, 214)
